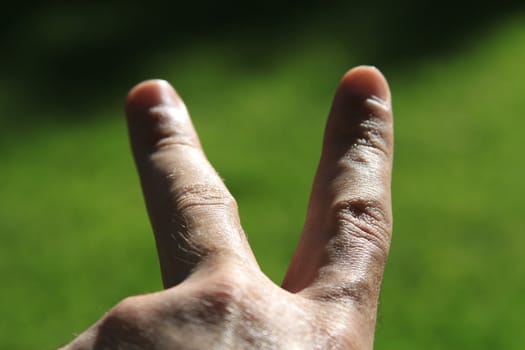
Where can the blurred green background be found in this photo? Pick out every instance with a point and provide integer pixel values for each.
(74, 236)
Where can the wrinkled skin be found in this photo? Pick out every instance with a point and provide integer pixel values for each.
(216, 297)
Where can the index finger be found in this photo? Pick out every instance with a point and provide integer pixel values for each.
(194, 216)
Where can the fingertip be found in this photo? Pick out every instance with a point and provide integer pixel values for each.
(149, 94)
(367, 83)
(156, 116)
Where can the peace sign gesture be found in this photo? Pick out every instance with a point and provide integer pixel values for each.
(216, 296)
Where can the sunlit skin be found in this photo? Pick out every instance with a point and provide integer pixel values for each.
(216, 296)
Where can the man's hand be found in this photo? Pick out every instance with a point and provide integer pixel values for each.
(216, 296)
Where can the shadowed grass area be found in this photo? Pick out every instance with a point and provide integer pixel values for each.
(75, 236)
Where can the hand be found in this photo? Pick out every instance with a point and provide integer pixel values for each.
(216, 296)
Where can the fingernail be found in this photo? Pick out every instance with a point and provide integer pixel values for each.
(368, 83)
(151, 93)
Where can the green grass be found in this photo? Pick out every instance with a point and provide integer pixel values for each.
(75, 237)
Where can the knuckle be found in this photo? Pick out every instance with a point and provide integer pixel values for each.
(224, 296)
(365, 220)
(128, 309)
(369, 138)
(203, 195)
(124, 325)
(360, 292)
(229, 287)
(374, 134)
